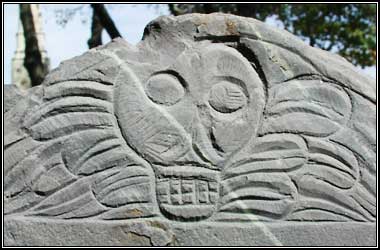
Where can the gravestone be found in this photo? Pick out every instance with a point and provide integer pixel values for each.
(213, 130)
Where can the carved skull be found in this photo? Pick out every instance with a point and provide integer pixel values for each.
(187, 118)
(212, 117)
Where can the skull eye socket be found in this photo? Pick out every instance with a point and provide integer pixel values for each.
(226, 97)
(165, 89)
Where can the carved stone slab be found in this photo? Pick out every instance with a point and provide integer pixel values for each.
(213, 130)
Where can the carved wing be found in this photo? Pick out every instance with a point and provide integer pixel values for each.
(314, 157)
(297, 169)
(67, 158)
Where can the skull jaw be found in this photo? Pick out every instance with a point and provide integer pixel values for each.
(186, 193)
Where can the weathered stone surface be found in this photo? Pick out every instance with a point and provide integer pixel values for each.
(11, 96)
(213, 130)
(151, 232)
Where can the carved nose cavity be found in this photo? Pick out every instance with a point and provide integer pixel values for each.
(226, 97)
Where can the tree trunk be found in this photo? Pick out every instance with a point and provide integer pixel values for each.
(96, 31)
(106, 20)
(33, 63)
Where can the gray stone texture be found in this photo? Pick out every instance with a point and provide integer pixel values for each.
(213, 130)
(11, 96)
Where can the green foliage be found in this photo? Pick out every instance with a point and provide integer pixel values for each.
(348, 29)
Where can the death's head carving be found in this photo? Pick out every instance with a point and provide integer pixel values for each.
(210, 117)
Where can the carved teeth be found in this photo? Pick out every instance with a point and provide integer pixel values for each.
(185, 191)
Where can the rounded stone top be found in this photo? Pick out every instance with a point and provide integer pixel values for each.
(261, 39)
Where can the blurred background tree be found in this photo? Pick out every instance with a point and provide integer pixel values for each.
(33, 62)
(100, 20)
(347, 29)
